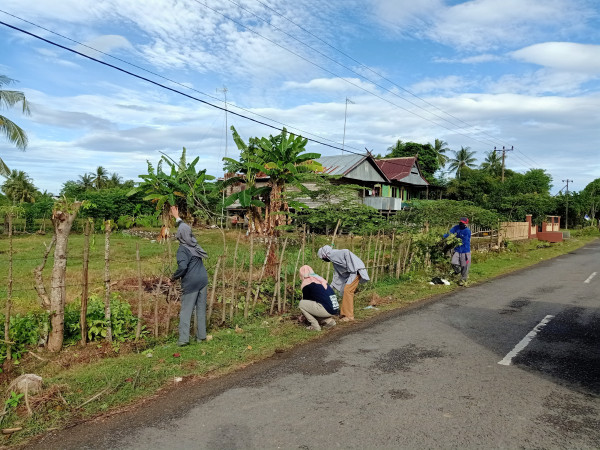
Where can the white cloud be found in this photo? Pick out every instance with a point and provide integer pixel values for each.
(105, 43)
(563, 56)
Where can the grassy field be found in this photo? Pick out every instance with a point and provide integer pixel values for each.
(114, 380)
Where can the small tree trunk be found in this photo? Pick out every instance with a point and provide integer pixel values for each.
(138, 330)
(85, 279)
(249, 287)
(62, 221)
(107, 315)
(9, 288)
(277, 292)
(168, 315)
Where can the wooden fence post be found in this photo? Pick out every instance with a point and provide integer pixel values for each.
(249, 287)
(234, 279)
(85, 281)
(9, 288)
(138, 329)
(107, 315)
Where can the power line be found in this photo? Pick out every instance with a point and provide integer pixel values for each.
(304, 132)
(483, 133)
(342, 78)
(361, 65)
(164, 86)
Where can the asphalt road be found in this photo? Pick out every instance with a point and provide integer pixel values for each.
(512, 363)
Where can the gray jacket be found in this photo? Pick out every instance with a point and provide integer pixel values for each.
(346, 267)
(191, 270)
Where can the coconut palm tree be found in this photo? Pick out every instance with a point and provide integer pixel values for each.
(492, 163)
(86, 181)
(115, 180)
(441, 147)
(13, 132)
(462, 158)
(100, 177)
(19, 187)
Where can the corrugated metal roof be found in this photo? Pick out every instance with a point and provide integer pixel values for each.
(340, 164)
(396, 168)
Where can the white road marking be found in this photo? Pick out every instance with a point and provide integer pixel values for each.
(507, 360)
(590, 277)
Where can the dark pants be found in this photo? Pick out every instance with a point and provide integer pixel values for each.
(188, 303)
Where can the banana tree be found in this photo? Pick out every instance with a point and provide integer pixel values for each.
(282, 160)
(180, 185)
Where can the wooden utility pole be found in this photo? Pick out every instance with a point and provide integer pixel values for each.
(504, 150)
(567, 215)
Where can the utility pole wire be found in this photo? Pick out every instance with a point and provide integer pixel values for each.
(120, 69)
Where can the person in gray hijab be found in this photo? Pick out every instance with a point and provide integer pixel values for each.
(194, 281)
(348, 272)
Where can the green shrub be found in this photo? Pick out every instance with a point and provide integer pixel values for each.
(122, 320)
(25, 331)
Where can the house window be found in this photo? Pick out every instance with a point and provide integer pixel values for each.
(377, 191)
(395, 193)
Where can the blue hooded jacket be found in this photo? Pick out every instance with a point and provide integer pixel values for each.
(464, 233)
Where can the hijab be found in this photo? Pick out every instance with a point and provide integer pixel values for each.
(186, 238)
(307, 275)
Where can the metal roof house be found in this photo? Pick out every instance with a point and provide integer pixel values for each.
(387, 183)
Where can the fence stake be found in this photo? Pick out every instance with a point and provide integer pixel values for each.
(262, 273)
(213, 291)
(9, 288)
(294, 280)
(303, 241)
(138, 330)
(234, 278)
(332, 243)
(107, 229)
(391, 264)
(85, 279)
(249, 287)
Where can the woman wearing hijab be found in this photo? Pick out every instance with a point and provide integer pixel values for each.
(194, 281)
(318, 300)
(348, 271)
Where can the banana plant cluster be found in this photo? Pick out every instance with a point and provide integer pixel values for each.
(281, 160)
(180, 184)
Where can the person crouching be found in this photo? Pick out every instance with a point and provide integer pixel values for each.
(318, 300)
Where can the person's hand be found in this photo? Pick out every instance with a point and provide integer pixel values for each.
(175, 212)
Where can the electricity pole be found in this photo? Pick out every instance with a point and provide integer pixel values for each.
(504, 150)
(224, 91)
(345, 114)
(567, 215)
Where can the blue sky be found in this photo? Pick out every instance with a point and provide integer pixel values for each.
(480, 73)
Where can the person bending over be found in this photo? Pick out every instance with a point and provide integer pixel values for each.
(318, 300)
(348, 271)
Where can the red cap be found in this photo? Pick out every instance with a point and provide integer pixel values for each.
(464, 220)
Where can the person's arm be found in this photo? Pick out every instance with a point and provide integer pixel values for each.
(452, 231)
(175, 213)
(182, 265)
